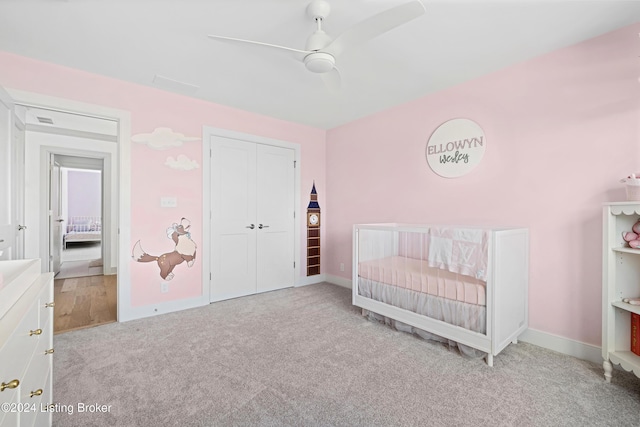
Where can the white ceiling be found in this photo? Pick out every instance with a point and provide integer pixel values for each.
(143, 40)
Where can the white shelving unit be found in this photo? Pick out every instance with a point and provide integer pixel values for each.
(620, 279)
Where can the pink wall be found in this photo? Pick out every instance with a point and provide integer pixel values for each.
(84, 193)
(151, 179)
(561, 130)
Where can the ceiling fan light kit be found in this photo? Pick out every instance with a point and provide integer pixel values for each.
(319, 62)
(321, 50)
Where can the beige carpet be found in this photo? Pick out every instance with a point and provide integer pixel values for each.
(306, 357)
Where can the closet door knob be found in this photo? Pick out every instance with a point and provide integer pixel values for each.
(10, 384)
(36, 332)
(50, 305)
(252, 226)
(262, 226)
(21, 227)
(38, 392)
(50, 351)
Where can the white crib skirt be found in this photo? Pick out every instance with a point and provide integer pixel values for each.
(469, 316)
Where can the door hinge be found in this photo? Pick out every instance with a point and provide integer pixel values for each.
(294, 264)
(294, 163)
(209, 276)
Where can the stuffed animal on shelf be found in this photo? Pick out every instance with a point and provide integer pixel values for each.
(633, 237)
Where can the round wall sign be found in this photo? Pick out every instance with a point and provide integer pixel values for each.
(455, 148)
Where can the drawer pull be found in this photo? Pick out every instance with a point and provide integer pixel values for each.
(36, 332)
(50, 351)
(10, 384)
(38, 392)
(50, 305)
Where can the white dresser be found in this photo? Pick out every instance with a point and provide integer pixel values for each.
(26, 344)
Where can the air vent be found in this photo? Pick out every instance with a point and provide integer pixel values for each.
(45, 120)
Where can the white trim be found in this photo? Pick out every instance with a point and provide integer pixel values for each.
(340, 281)
(310, 280)
(38, 148)
(164, 308)
(562, 345)
(121, 208)
(209, 132)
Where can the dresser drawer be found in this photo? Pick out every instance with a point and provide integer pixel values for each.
(44, 418)
(11, 397)
(17, 351)
(36, 391)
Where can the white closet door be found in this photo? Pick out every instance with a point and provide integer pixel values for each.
(233, 246)
(252, 225)
(275, 210)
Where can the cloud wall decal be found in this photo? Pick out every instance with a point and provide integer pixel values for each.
(181, 163)
(162, 139)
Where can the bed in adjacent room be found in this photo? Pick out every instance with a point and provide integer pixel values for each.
(82, 229)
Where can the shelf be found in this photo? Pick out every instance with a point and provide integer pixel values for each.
(627, 250)
(621, 279)
(627, 307)
(624, 208)
(628, 360)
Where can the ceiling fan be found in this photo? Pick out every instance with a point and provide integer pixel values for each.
(321, 50)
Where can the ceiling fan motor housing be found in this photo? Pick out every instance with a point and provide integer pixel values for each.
(318, 9)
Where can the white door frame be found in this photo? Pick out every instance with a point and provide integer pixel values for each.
(121, 207)
(17, 184)
(207, 133)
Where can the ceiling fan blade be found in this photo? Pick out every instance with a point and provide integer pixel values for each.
(298, 54)
(374, 26)
(332, 80)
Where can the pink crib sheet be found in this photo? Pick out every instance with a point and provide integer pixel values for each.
(416, 275)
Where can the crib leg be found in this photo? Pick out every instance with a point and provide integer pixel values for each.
(515, 341)
(490, 359)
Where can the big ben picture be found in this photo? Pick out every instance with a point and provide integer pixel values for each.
(313, 234)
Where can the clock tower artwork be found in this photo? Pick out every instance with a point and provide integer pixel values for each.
(313, 234)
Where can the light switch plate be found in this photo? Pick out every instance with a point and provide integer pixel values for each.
(168, 202)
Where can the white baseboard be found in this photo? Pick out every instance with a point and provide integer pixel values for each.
(546, 340)
(310, 280)
(563, 345)
(126, 314)
(340, 281)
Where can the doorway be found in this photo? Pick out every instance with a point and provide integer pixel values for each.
(75, 213)
(76, 203)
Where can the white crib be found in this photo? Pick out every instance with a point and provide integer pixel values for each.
(464, 284)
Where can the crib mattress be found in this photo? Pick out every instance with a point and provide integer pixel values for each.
(418, 276)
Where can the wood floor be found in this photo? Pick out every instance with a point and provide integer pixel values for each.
(83, 302)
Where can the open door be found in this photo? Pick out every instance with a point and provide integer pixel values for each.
(55, 215)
